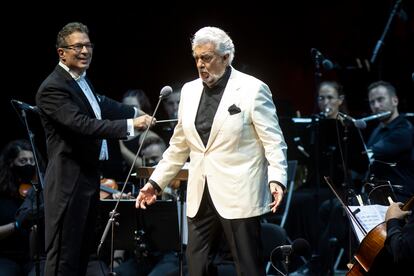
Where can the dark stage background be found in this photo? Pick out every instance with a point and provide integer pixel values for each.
(148, 48)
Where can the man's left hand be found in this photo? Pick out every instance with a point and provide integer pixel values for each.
(146, 196)
(277, 193)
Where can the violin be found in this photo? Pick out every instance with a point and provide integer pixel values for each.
(108, 188)
(24, 189)
(371, 246)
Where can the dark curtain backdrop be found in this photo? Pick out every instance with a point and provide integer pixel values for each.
(147, 45)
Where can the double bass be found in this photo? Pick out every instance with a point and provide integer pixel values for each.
(371, 246)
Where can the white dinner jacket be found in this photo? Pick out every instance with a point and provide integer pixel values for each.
(244, 151)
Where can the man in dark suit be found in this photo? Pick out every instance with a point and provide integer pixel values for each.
(76, 121)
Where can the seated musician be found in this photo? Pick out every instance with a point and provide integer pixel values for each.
(400, 238)
(389, 252)
(19, 213)
(391, 143)
(390, 146)
(319, 202)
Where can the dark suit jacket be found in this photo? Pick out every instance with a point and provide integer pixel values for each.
(74, 137)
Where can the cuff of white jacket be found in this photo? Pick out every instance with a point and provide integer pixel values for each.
(130, 128)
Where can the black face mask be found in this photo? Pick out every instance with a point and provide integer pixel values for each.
(24, 173)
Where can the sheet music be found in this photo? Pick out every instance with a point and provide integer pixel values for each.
(369, 216)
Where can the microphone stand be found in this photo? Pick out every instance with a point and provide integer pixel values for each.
(38, 189)
(347, 183)
(316, 145)
(181, 199)
(387, 27)
(113, 214)
(286, 253)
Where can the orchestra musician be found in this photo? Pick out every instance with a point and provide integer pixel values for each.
(17, 170)
(391, 142)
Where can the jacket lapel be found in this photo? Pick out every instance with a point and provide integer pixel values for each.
(192, 112)
(76, 91)
(229, 98)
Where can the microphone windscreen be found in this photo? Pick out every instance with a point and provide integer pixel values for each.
(301, 247)
(165, 91)
(360, 124)
(327, 64)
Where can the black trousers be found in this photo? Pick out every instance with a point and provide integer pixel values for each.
(74, 241)
(242, 235)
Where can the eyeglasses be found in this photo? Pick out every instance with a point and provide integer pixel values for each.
(79, 46)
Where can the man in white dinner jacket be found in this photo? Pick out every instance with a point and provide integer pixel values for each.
(228, 126)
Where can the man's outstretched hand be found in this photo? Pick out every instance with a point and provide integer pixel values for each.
(147, 196)
(277, 193)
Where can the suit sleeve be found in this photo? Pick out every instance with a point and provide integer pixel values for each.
(61, 108)
(400, 239)
(395, 143)
(270, 134)
(114, 110)
(174, 157)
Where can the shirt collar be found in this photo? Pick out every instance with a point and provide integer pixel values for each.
(75, 76)
(393, 123)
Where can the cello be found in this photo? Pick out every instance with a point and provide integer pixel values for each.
(371, 246)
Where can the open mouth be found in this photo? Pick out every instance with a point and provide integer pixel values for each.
(204, 75)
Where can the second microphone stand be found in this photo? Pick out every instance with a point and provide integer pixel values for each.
(38, 188)
(181, 200)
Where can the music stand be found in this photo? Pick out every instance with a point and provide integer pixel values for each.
(182, 176)
(159, 223)
(123, 236)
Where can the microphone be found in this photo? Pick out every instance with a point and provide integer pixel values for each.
(326, 63)
(299, 247)
(380, 116)
(25, 106)
(325, 112)
(165, 92)
(357, 123)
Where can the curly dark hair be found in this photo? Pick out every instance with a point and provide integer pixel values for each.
(69, 29)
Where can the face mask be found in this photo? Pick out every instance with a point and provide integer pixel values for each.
(24, 173)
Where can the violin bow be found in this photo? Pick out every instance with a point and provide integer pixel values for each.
(346, 207)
